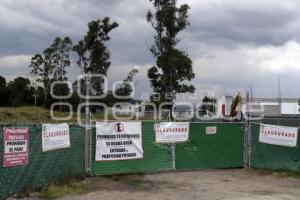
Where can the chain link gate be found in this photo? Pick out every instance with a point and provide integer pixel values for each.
(202, 151)
(267, 156)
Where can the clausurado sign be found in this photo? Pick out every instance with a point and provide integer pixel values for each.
(16, 143)
(119, 141)
(278, 135)
(172, 132)
(55, 136)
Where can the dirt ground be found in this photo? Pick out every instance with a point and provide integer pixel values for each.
(238, 184)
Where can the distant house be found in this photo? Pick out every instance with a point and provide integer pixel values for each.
(274, 107)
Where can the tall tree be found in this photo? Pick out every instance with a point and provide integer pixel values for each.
(42, 69)
(35, 66)
(93, 55)
(51, 66)
(60, 57)
(173, 67)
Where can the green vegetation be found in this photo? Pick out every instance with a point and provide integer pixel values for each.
(278, 173)
(31, 114)
(173, 69)
(287, 173)
(68, 187)
(23, 114)
(91, 55)
(71, 187)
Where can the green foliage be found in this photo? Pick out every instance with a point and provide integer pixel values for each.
(61, 57)
(36, 62)
(20, 92)
(173, 67)
(51, 65)
(93, 55)
(70, 187)
(2, 82)
(3, 92)
(35, 65)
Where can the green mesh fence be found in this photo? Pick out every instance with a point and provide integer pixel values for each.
(43, 168)
(156, 157)
(267, 156)
(222, 150)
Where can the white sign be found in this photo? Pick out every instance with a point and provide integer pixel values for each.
(119, 141)
(55, 136)
(211, 130)
(278, 135)
(172, 132)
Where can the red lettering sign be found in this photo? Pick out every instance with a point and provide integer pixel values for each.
(16, 143)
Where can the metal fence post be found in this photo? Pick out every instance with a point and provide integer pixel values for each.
(173, 145)
(249, 141)
(174, 156)
(88, 130)
(246, 132)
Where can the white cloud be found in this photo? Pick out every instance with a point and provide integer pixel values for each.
(232, 70)
(233, 44)
(14, 62)
(280, 60)
(14, 66)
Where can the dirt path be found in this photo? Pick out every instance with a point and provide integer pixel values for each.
(210, 185)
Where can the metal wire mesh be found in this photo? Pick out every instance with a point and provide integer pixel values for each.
(156, 157)
(43, 168)
(225, 149)
(221, 150)
(267, 156)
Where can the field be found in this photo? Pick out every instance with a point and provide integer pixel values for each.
(231, 184)
(25, 114)
(33, 114)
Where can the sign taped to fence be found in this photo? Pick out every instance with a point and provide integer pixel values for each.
(16, 146)
(278, 135)
(119, 141)
(55, 136)
(172, 132)
(211, 130)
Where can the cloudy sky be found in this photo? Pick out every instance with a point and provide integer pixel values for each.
(234, 45)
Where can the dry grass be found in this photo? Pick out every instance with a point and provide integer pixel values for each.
(71, 187)
(31, 114)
